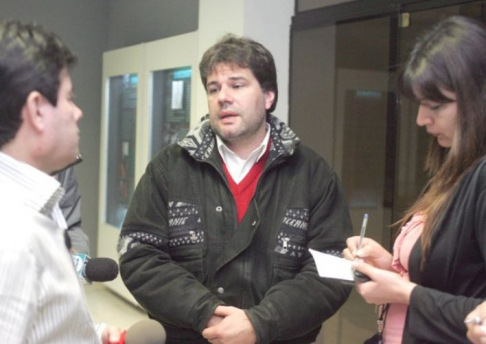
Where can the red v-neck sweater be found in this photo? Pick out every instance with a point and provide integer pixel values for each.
(244, 191)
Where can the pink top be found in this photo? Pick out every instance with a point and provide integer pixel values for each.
(395, 319)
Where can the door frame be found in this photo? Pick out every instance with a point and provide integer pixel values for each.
(362, 10)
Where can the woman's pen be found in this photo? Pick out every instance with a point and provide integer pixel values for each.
(363, 230)
(361, 277)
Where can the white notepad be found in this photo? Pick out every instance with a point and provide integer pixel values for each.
(329, 266)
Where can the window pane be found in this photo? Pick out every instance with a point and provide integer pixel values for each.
(171, 106)
(121, 146)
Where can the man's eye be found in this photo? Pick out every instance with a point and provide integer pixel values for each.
(237, 86)
(212, 90)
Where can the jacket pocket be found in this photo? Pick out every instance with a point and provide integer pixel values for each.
(186, 237)
(291, 244)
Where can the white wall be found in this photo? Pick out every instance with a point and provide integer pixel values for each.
(216, 18)
(305, 5)
(133, 22)
(268, 22)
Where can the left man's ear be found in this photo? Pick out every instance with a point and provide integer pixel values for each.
(34, 110)
(269, 99)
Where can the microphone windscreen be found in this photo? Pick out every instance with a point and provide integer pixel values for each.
(146, 332)
(101, 269)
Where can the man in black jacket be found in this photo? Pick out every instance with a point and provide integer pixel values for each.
(215, 242)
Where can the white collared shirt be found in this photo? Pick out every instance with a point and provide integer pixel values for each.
(40, 192)
(41, 298)
(238, 167)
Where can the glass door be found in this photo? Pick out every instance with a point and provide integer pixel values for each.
(122, 112)
(171, 91)
(146, 104)
(171, 100)
(120, 163)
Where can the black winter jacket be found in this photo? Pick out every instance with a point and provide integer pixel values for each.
(183, 252)
(453, 281)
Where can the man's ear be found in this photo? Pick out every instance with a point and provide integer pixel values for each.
(269, 99)
(34, 110)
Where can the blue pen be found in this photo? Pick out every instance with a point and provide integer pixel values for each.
(363, 230)
(361, 277)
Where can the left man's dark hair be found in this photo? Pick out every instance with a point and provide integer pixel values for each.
(31, 59)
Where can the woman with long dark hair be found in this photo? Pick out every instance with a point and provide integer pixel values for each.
(437, 272)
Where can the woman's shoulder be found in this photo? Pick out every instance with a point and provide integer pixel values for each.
(477, 176)
(481, 166)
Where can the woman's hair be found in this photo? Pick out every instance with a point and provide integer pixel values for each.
(452, 57)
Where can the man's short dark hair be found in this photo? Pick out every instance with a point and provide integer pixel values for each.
(31, 59)
(244, 53)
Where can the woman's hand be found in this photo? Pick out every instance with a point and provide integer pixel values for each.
(371, 252)
(384, 287)
(476, 329)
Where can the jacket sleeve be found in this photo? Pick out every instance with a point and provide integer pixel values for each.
(438, 317)
(165, 289)
(296, 306)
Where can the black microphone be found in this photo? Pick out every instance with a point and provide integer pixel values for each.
(94, 269)
(144, 332)
(79, 159)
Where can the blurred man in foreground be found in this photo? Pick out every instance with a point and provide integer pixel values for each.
(41, 297)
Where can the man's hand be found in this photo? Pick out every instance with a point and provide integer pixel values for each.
(215, 320)
(234, 328)
(476, 329)
(111, 335)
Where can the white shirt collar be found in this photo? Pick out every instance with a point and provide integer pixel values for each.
(37, 189)
(238, 167)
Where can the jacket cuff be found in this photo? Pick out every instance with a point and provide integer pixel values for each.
(416, 296)
(264, 323)
(203, 311)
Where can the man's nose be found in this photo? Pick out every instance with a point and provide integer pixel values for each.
(78, 113)
(225, 94)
